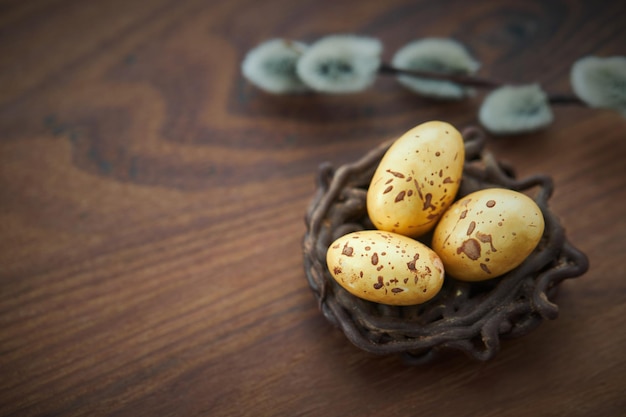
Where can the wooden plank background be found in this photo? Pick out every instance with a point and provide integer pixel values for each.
(152, 210)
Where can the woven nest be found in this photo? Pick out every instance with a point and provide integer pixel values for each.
(463, 316)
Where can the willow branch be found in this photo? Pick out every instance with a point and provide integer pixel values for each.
(466, 80)
(473, 81)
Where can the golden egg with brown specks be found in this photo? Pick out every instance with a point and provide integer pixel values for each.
(488, 233)
(385, 267)
(417, 179)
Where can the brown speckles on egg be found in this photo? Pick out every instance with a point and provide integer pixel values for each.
(491, 203)
(486, 238)
(411, 265)
(400, 196)
(428, 202)
(471, 228)
(388, 189)
(396, 173)
(347, 250)
(379, 284)
(471, 248)
(375, 259)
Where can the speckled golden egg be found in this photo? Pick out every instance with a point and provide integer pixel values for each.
(385, 267)
(487, 233)
(417, 179)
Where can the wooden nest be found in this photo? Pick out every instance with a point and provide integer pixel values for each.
(463, 316)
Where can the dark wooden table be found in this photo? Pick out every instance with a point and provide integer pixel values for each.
(152, 211)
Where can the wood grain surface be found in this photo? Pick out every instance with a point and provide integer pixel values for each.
(152, 211)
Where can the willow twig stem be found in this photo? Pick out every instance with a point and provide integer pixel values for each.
(473, 81)
(565, 99)
(466, 80)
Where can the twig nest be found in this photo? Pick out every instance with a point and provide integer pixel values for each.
(471, 317)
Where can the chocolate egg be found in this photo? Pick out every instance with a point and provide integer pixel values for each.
(385, 267)
(487, 233)
(417, 179)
